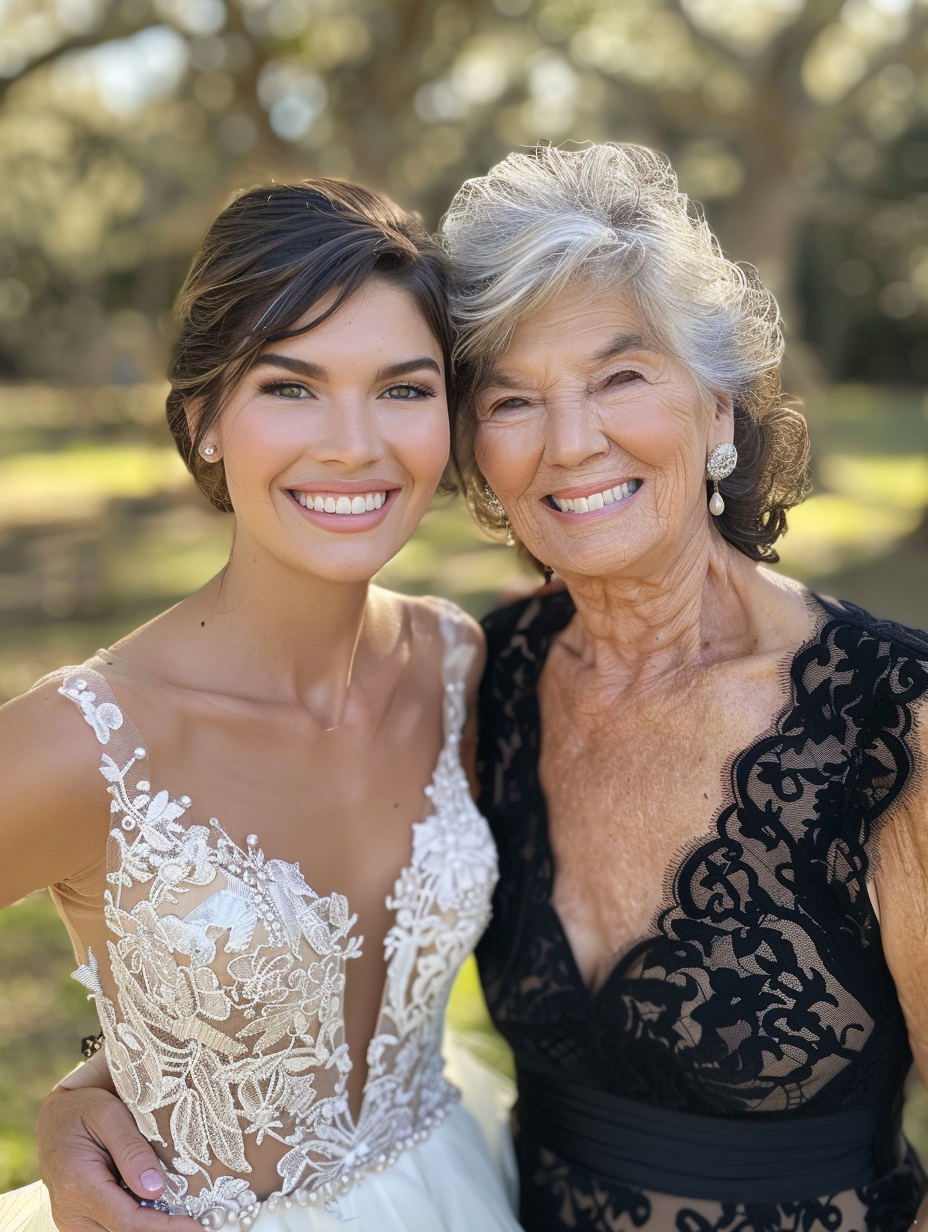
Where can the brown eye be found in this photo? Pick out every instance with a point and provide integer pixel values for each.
(500, 408)
(622, 378)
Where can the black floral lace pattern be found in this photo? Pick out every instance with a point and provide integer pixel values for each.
(763, 990)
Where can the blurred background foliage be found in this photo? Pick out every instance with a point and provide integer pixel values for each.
(125, 125)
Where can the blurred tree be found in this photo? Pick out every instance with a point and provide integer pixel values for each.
(802, 124)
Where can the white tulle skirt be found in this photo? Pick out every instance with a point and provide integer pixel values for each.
(460, 1179)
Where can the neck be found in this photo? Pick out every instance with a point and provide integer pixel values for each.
(665, 615)
(283, 634)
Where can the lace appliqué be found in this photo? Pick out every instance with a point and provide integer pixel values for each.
(228, 971)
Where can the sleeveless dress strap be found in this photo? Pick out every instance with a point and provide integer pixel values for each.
(460, 650)
(89, 691)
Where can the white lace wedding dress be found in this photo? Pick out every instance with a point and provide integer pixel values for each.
(221, 996)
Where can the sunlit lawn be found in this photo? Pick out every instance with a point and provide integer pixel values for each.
(154, 544)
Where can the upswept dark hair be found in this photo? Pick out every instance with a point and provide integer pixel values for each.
(267, 259)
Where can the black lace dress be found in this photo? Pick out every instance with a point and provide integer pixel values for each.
(763, 993)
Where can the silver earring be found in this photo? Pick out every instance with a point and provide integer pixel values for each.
(209, 450)
(496, 508)
(719, 465)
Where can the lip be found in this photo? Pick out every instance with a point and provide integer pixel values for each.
(345, 524)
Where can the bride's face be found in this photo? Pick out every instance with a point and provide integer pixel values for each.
(335, 440)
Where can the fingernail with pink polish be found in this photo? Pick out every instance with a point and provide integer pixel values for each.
(152, 1180)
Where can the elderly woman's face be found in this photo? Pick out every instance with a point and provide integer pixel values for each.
(594, 440)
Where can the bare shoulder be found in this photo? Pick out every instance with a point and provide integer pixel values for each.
(788, 612)
(53, 798)
(443, 609)
(432, 622)
(47, 729)
(426, 614)
(450, 622)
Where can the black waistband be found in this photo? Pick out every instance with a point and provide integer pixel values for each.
(625, 1142)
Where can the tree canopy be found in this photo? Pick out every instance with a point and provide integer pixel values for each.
(802, 125)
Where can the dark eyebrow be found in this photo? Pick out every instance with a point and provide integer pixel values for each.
(621, 344)
(316, 372)
(301, 366)
(405, 366)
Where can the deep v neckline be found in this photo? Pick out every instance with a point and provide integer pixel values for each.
(684, 851)
(255, 849)
(225, 1009)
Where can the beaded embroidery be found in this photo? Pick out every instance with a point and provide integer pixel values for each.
(227, 973)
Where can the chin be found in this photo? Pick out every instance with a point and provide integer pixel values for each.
(337, 565)
(345, 572)
(592, 563)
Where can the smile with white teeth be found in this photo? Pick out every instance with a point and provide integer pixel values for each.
(596, 500)
(320, 502)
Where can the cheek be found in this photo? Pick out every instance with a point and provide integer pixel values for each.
(254, 443)
(508, 455)
(421, 445)
(666, 439)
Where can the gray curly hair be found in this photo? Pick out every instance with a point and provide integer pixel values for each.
(539, 222)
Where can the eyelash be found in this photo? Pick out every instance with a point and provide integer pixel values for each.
(502, 406)
(626, 372)
(277, 387)
(423, 391)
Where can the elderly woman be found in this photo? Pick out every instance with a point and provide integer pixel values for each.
(690, 764)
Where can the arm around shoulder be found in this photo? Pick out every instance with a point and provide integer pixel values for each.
(53, 803)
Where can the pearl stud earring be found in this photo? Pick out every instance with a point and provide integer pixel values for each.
(719, 465)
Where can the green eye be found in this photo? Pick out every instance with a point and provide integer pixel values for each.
(290, 391)
(409, 393)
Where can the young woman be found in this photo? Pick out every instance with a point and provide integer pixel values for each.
(252, 811)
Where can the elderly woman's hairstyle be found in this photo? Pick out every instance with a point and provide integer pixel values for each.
(268, 259)
(612, 214)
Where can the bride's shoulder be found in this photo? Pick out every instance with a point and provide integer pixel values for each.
(41, 724)
(438, 632)
(430, 617)
(452, 622)
(49, 766)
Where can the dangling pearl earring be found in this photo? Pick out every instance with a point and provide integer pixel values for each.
(719, 465)
(496, 508)
(209, 450)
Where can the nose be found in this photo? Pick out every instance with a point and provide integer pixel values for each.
(351, 435)
(573, 432)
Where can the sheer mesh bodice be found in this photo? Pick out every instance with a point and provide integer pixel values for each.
(762, 990)
(221, 988)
